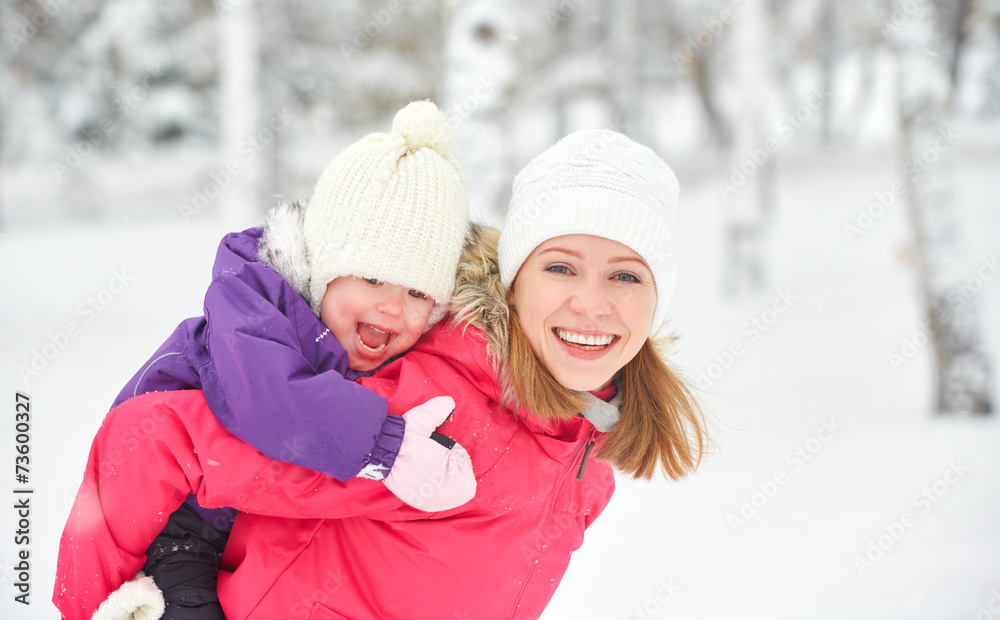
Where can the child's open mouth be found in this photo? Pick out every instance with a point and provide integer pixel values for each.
(372, 338)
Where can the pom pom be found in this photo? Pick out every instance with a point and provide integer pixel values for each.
(423, 125)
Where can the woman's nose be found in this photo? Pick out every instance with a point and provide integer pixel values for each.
(590, 299)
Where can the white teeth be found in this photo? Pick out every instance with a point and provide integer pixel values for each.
(590, 340)
(380, 347)
(379, 332)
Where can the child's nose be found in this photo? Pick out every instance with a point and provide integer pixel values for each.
(391, 303)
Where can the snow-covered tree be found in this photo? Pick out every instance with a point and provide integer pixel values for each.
(478, 80)
(748, 187)
(695, 33)
(240, 111)
(950, 307)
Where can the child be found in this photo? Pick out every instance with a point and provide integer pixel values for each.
(301, 307)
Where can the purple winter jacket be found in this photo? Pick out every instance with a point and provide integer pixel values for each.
(272, 373)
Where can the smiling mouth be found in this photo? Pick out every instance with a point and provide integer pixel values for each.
(373, 339)
(586, 342)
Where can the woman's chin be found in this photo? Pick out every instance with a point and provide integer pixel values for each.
(583, 383)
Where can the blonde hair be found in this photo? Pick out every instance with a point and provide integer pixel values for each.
(662, 424)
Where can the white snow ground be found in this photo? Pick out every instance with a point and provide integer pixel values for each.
(836, 454)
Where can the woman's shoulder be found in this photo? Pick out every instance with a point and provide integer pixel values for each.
(461, 345)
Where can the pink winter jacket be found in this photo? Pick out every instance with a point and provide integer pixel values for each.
(324, 549)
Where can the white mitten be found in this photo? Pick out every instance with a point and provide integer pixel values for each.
(431, 473)
(138, 599)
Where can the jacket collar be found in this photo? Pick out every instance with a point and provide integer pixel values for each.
(283, 246)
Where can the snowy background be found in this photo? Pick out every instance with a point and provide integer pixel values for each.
(134, 135)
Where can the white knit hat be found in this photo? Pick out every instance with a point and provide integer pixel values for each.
(597, 182)
(393, 207)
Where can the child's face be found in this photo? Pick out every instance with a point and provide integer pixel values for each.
(373, 320)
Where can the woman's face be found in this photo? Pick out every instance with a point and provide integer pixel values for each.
(586, 306)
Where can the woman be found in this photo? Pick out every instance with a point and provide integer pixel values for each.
(552, 362)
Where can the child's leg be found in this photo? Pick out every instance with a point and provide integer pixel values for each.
(184, 561)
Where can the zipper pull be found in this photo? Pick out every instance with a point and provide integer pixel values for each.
(583, 463)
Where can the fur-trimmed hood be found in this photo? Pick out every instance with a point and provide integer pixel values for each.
(283, 246)
(480, 299)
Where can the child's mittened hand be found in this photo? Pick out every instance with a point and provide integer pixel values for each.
(427, 475)
(138, 599)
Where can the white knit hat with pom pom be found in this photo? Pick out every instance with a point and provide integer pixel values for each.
(597, 182)
(392, 206)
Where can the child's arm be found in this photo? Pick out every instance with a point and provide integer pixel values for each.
(154, 450)
(276, 379)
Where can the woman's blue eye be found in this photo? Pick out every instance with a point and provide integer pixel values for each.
(628, 277)
(557, 268)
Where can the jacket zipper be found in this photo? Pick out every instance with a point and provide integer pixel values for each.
(583, 463)
(548, 521)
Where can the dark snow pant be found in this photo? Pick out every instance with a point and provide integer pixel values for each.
(184, 560)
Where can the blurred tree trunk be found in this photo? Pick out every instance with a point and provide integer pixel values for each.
(960, 10)
(275, 94)
(720, 129)
(828, 53)
(748, 191)
(626, 46)
(6, 88)
(684, 30)
(239, 113)
(950, 305)
(478, 81)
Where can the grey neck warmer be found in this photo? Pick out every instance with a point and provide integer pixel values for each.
(604, 415)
